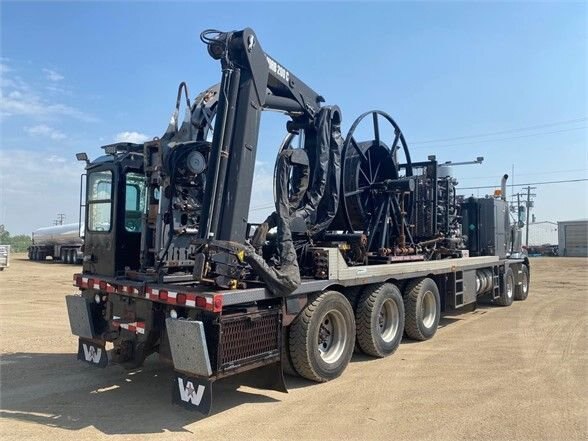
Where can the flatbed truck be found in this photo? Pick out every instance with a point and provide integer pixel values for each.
(362, 248)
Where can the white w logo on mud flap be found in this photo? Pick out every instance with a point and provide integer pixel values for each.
(190, 395)
(92, 353)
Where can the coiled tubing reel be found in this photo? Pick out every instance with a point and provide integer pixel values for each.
(377, 191)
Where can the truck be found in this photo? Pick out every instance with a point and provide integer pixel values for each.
(60, 242)
(364, 245)
(4, 257)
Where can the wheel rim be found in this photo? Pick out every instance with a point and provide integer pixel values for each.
(525, 284)
(332, 336)
(388, 320)
(429, 309)
(509, 288)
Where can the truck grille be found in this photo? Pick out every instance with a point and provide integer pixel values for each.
(247, 338)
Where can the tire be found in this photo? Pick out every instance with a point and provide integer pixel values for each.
(287, 367)
(379, 320)
(71, 257)
(523, 289)
(422, 309)
(329, 323)
(353, 294)
(507, 293)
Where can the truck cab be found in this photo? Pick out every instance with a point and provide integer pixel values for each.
(114, 206)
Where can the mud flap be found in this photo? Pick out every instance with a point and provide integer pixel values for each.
(192, 393)
(270, 377)
(92, 353)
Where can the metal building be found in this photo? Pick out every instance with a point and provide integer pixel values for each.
(543, 233)
(573, 238)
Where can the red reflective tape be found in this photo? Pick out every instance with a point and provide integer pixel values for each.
(217, 303)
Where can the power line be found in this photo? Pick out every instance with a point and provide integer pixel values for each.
(520, 185)
(528, 174)
(503, 139)
(520, 129)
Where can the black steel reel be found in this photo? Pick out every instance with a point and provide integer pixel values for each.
(373, 183)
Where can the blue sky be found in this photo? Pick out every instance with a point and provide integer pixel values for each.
(79, 75)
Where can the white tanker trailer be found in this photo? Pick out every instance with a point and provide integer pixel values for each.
(61, 242)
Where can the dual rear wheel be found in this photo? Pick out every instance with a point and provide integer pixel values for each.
(322, 338)
(68, 256)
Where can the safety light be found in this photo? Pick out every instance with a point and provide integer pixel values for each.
(82, 157)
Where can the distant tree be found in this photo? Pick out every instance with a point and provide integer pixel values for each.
(4, 236)
(18, 244)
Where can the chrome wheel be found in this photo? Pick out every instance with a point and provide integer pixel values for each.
(388, 320)
(332, 336)
(509, 290)
(429, 309)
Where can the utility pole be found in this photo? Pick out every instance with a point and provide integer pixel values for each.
(529, 205)
(60, 219)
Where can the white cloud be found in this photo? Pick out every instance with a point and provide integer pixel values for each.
(135, 137)
(53, 75)
(35, 186)
(45, 131)
(262, 195)
(18, 98)
(16, 103)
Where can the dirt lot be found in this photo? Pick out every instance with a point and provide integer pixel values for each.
(494, 373)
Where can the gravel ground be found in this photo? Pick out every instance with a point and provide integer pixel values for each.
(490, 374)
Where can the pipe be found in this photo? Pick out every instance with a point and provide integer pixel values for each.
(274, 102)
(503, 187)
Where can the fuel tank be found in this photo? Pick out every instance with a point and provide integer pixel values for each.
(68, 234)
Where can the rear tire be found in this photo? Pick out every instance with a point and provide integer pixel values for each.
(322, 337)
(287, 367)
(380, 319)
(422, 306)
(508, 288)
(353, 294)
(522, 291)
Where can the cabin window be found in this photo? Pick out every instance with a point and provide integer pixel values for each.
(134, 201)
(100, 200)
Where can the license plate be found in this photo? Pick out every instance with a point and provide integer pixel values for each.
(192, 393)
(92, 353)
